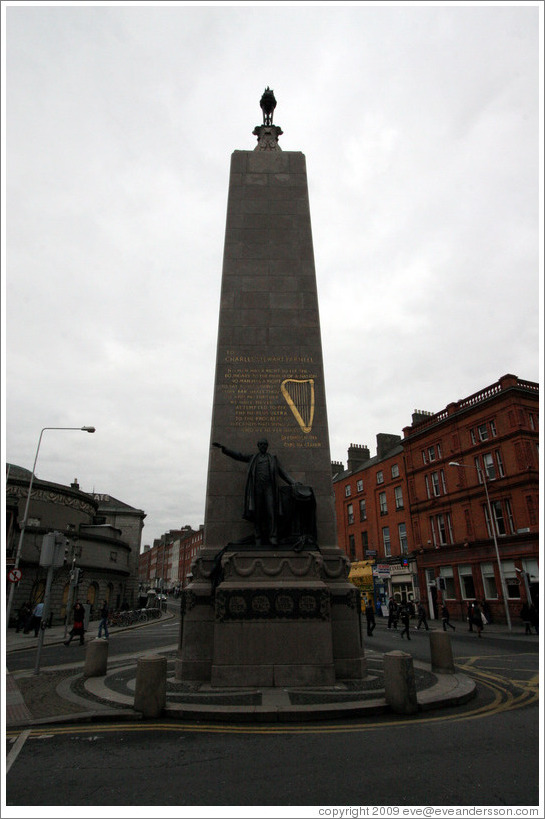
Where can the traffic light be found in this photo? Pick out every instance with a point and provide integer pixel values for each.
(75, 576)
(62, 545)
(47, 553)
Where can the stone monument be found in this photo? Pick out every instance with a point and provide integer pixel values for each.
(269, 602)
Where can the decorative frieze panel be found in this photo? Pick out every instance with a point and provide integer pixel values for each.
(49, 496)
(268, 604)
(188, 600)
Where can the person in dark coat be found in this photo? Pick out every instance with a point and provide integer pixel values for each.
(445, 614)
(393, 613)
(486, 611)
(78, 628)
(23, 617)
(525, 616)
(422, 617)
(262, 494)
(477, 618)
(370, 617)
(405, 620)
(470, 616)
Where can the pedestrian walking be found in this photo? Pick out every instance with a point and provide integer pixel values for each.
(470, 616)
(370, 617)
(477, 618)
(37, 618)
(445, 614)
(78, 628)
(486, 611)
(23, 616)
(405, 620)
(422, 617)
(526, 619)
(103, 625)
(393, 613)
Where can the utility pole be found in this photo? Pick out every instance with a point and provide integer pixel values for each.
(52, 556)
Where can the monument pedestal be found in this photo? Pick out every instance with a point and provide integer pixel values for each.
(272, 621)
(276, 618)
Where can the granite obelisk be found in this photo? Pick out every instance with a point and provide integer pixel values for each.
(269, 602)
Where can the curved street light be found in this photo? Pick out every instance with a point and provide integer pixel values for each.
(493, 527)
(25, 516)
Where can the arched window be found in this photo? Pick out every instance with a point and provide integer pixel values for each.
(92, 595)
(37, 593)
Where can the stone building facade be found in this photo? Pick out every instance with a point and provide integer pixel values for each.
(103, 536)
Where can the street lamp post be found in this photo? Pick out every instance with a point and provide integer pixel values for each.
(25, 516)
(493, 526)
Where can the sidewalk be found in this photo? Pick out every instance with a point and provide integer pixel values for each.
(62, 694)
(36, 699)
(496, 630)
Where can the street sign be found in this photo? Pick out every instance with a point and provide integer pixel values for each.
(14, 575)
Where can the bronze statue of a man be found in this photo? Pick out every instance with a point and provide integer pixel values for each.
(268, 104)
(262, 493)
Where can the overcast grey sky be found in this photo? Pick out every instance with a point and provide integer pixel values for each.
(420, 126)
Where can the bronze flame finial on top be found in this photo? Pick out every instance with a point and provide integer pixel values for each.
(268, 104)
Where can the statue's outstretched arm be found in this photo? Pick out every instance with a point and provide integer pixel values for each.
(237, 456)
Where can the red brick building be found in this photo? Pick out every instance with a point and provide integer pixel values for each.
(430, 523)
(373, 517)
(494, 436)
(167, 563)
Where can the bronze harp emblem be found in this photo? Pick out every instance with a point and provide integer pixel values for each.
(299, 395)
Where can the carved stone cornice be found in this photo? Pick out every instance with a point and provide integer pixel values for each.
(52, 496)
(288, 567)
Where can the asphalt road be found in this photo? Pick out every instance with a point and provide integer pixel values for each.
(481, 754)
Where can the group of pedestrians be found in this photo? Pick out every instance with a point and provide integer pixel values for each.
(78, 628)
(30, 619)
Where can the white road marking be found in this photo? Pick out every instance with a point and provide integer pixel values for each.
(17, 748)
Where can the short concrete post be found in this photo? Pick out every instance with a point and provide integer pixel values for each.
(150, 693)
(399, 682)
(442, 660)
(96, 658)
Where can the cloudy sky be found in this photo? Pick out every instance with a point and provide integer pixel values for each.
(420, 126)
